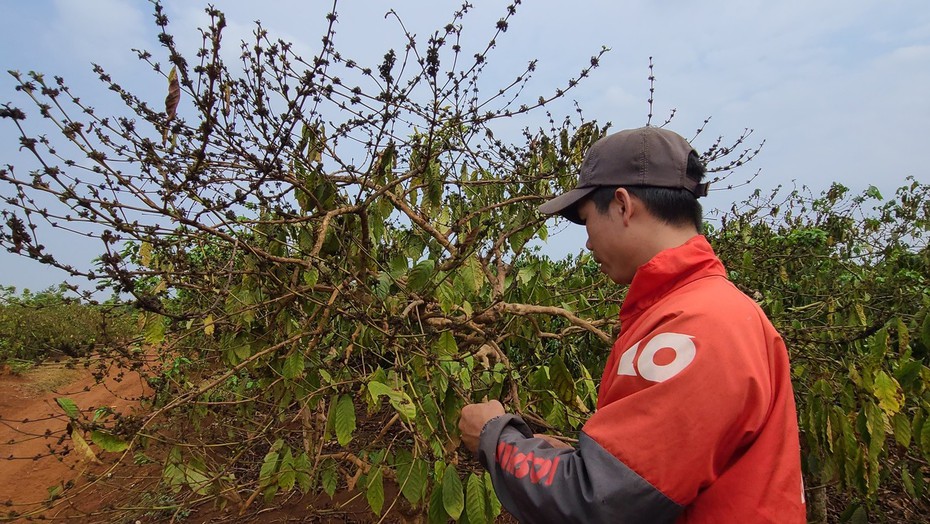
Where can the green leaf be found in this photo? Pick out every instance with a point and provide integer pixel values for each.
(448, 296)
(412, 476)
(494, 504)
(287, 476)
(878, 344)
(154, 329)
(344, 420)
(925, 440)
(562, 382)
(902, 429)
(69, 407)
(907, 481)
(377, 389)
(328, 477)
(172, 474)
(196, 478)
(269, 468)
(859, 516)
(242, 350)
(294, 365)
(445, 346)
(374, 490)
(108, 442)
(420, 275)
(311, 276)
(400, 400)
(302, 470)
(383, 286)
(925, 331)
(453, 496)
(476, 500)
(888, 392)
(471, 275)
(436, 512)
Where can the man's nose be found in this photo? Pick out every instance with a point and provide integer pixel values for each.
(587, 244)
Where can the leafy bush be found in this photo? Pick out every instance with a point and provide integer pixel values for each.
(35, 325)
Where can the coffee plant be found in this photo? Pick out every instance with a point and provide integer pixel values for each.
(332, 258)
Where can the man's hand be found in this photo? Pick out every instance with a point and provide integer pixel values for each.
(473, 419)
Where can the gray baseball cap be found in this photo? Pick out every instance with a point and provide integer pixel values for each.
(648, 156)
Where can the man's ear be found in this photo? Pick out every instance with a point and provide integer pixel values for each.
(624, 205)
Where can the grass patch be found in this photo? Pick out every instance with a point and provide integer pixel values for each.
(45, 379)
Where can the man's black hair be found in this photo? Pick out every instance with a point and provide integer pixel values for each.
(671, 205)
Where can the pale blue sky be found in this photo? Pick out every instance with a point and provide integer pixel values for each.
(836, 88)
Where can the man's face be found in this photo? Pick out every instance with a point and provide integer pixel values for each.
(605, 240)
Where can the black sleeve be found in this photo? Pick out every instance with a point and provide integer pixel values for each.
(538, 483)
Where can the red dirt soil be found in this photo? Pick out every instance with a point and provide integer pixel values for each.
(36, 452)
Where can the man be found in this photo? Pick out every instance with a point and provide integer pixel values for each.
(695, 418)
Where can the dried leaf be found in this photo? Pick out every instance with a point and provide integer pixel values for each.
(174, 94)
(83, 450)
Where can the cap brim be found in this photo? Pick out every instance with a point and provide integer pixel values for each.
(567, 205)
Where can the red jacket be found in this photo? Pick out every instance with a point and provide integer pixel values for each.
(696, 419)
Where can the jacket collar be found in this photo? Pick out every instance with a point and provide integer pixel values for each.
(667, 271)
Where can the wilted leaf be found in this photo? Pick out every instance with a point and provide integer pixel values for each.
(196, 478)
(154, 329)
(208, 326)
(888, 392)
(145, 254)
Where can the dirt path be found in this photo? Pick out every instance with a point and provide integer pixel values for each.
(36, 452)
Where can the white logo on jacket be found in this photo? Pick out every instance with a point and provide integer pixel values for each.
(682, 345)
